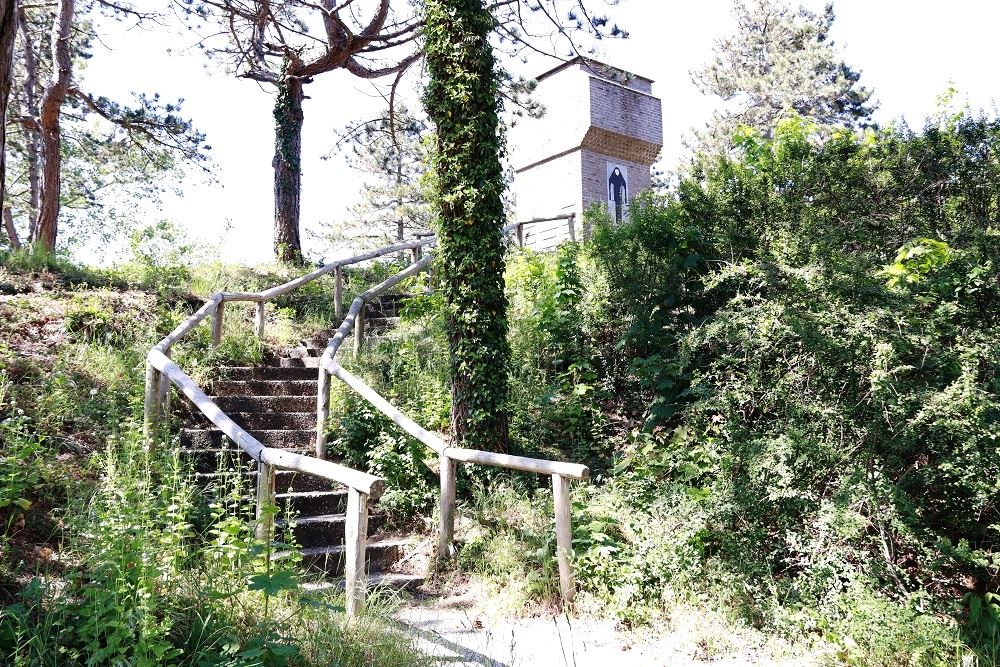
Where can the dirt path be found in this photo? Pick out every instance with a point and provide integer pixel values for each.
(460, 632)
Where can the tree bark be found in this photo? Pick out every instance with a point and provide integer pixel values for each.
(52, 101)
(8, 225)
(8, 30)
(30, 87)
(400, 221)
(288, 119)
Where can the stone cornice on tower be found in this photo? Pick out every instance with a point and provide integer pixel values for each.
(621, 146)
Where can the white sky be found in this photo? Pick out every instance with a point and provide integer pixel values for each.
(908, 51)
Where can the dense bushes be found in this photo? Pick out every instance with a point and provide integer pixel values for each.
(814, 325)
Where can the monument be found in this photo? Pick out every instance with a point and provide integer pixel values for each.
(600, 134)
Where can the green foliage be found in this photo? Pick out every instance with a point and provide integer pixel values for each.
(21, 467)
(463, 101)
(811, 323)
(554, 386)
(779, 60)
(916, 260)
(408, 367)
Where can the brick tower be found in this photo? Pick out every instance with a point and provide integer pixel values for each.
(600, 134)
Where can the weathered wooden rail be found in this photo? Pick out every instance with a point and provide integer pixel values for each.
(161, 373)
(561, 473)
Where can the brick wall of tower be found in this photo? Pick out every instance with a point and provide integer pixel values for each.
(619, 111)
(594, 177)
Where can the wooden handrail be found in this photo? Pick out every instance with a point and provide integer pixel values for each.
(561, 472)
(161, 372)
(279, 458)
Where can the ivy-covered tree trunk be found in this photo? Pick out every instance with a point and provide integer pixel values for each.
(288, 119)
(463, 101)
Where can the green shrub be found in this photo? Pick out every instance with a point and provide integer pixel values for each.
(814, 338)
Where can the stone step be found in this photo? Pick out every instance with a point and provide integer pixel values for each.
(388, 581)
(270, 373)
(390, 303)
(231, 404)
(266, 387)
(379, 556)
(312, 503)
(324, 530)
(378, 325)
(266, 421)
(315, 345)
(213, 438)
(304, 363)
(226, 458)
(285, 481)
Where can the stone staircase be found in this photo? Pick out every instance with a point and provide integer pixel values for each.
(276, 404)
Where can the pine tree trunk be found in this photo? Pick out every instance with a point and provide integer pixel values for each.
(400, 220)
(31, 138)
(288, 118)
(463, 100)
(51, 141)
(8, 30)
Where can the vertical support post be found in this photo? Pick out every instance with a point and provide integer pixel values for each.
(520, 235)
(572, 227)
(151, 412)
(359, 329)
(322, 412)
(446, 537)
(217, 324)
(164, 395)
(338, 292)
(414, 255)
(355, 539)
(265, 502)
(564, 537)
(260, 319)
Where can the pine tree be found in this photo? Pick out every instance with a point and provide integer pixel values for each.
(779, 60)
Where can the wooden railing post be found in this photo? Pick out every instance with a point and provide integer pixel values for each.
(414, 255)
(151, 412)
(359, 329)
(322, 412)
(572, 227)
(355, 543)
(520, 235)
(217, 324)
(564, 537)
(446, 537)
(260, 319)
(338, 292)
(164, 394)
(265, 502)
